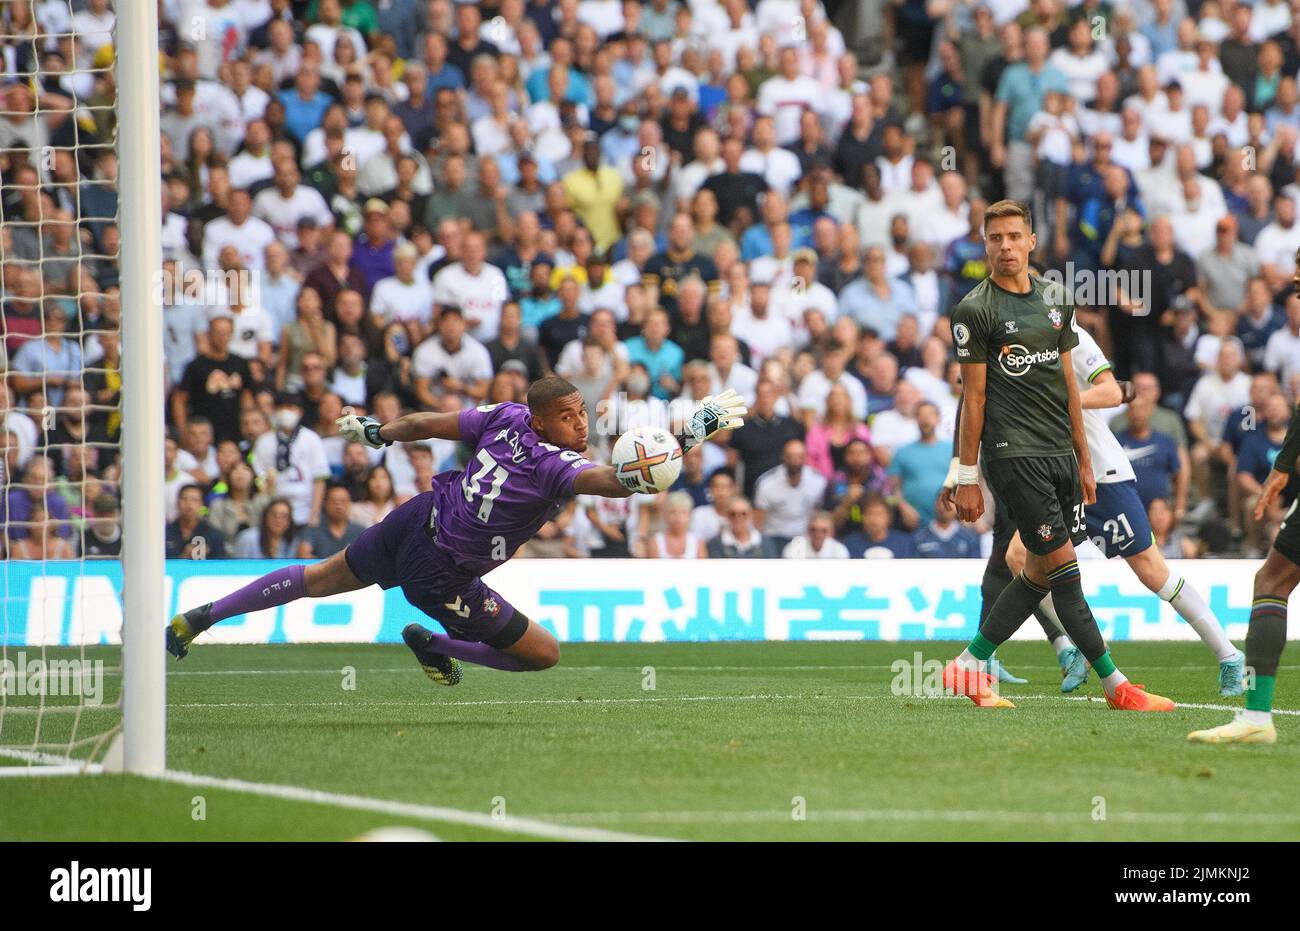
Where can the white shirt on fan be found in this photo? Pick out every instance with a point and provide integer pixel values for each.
(307, 463)
(1109, 461)
(478, 296)
(283, 213)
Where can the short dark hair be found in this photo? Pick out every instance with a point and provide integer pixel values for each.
(1009, 208)
(545, 391)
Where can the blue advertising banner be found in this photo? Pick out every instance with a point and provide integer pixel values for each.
(63, 603)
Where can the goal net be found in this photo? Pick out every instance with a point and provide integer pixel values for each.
(61, 404)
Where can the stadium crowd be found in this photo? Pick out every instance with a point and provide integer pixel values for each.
(421, 204)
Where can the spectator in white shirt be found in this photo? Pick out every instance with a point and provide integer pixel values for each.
(477, 288)
(817, 384)
(1213, 400)
(727, 371)
(1282, 353)
(451, 361)
(785, 96)
(1277, 243)
(283, 205)
(819, 542)
(296, 457)
(786, 496)
(249, 235)
(404, 297)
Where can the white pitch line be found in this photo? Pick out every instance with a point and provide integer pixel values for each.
(656, 700)
(1180, 704)
(507, 823)
(885, 814)
(633, 669)
(491, 701)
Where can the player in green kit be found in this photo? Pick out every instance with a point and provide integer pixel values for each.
(1274, 582)
(1013, 334)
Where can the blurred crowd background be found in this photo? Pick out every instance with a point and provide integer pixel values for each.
(391, 205)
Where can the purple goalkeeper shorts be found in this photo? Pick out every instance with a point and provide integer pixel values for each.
(400, 551)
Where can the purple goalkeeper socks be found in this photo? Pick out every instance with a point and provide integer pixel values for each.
(271, 590)
(478, 653)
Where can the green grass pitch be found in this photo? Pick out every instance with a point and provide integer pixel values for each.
(724, 746)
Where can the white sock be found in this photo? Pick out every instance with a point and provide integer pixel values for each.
(969, 662)
(1061, 644)
(1258, 718)
(1113, 681)
(1191, 607)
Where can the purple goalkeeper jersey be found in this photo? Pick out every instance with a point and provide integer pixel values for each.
(514, 482)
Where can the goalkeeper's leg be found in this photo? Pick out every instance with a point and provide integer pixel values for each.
(332, 576)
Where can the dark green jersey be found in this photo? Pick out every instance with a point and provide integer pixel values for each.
(1019, 338)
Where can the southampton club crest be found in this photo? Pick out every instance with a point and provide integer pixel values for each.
(491, 606)
(1055, 316)
(1045, 531)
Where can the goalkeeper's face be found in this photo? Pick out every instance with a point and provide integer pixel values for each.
(565, 423)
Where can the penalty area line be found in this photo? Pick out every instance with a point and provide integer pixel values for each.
(915, 815)
(512, 824)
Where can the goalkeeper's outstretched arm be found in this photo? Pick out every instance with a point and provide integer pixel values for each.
(405, 429)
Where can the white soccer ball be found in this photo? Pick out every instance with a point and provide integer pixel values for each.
(647, 460)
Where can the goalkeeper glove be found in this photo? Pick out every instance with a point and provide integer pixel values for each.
(726, 411)
(365, 430)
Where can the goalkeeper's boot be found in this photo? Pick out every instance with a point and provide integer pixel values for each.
(1130, 696)
(1236, 731)
(1003, 674)
(1232, 676)
(444, 670)
(975, 685)
(185, 627)
(1074, 669)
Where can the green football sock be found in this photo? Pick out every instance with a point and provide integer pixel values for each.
(1259, 697)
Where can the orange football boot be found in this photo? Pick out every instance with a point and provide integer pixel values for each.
(977, 686)
(1132, 697)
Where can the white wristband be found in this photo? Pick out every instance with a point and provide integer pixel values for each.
(968, 474)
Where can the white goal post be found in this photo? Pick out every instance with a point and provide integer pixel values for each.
(144, 712)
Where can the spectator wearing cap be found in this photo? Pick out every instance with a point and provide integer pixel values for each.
(680, 123)
(295, 456)
(451, 362)
(50, 364)
(372, 253)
